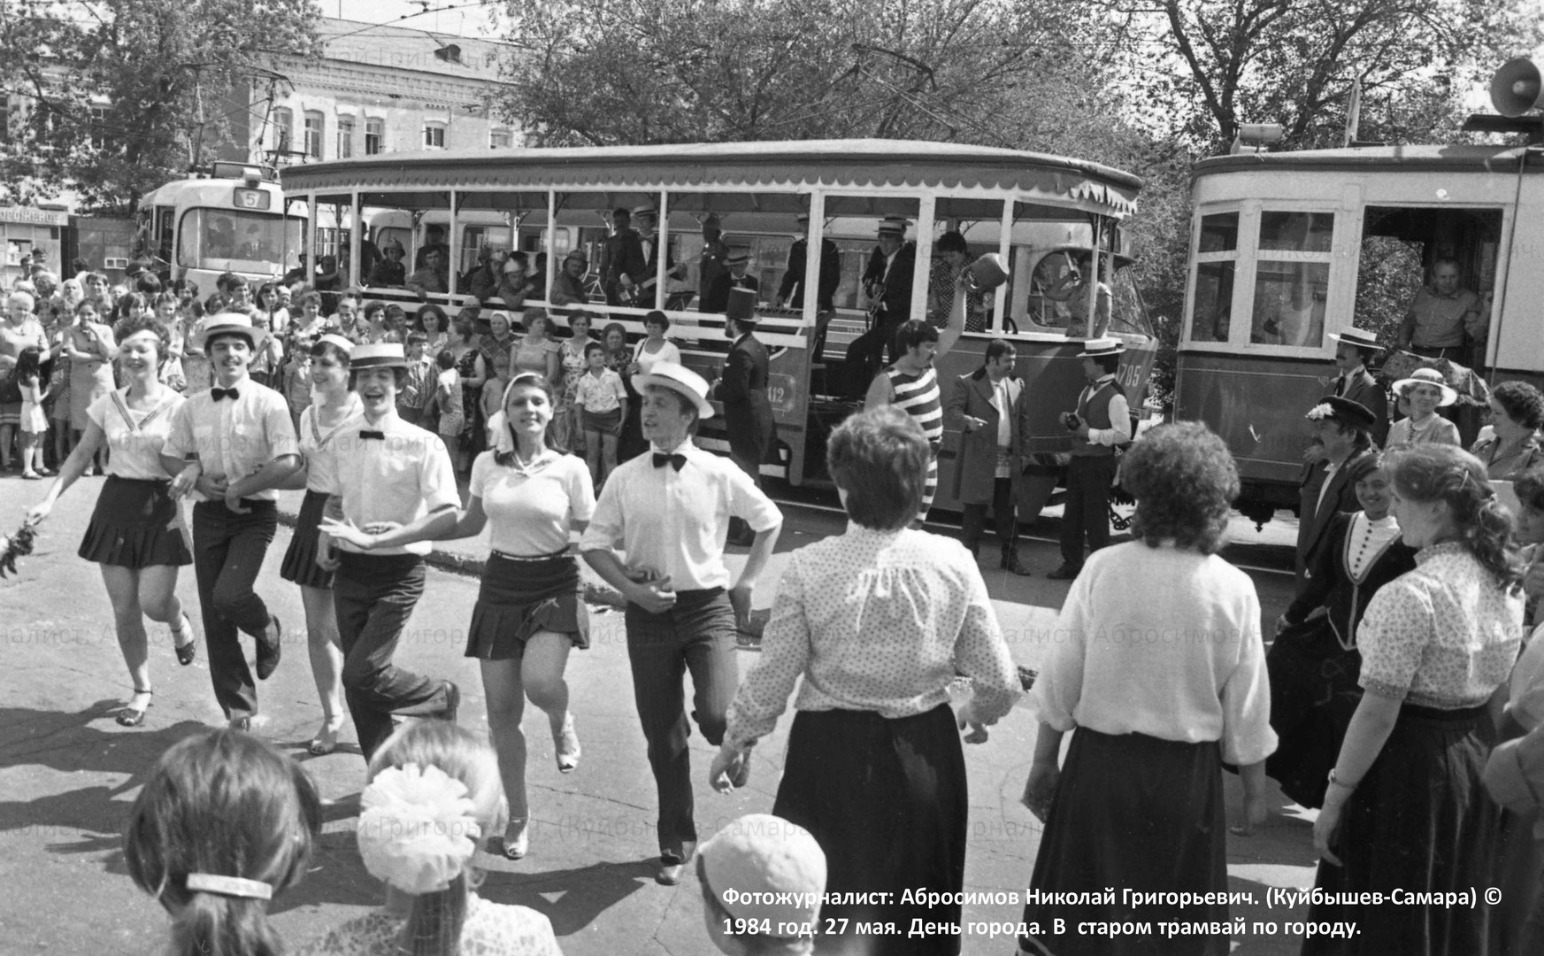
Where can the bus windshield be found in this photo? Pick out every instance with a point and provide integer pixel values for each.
(227, 240)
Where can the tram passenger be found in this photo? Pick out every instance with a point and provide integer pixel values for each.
(434, 277)
(669, 512)
(484, 279)
(648, 232)
(390, 271)
(1424, 392)
(1354, 348)
(790, 292)
(623, 266)
(434, 241)
(953, 256)
(1443, 317)
(743, 390)
(1101, 423)
(985, 406)
(887, 283)
(717, 299)
(1342, 431)
(1069, 290)
(714, 251)
(517, 283)
(568, 285)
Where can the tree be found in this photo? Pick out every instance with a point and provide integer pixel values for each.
(123, 95)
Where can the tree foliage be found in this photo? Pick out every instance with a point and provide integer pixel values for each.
(122, 95)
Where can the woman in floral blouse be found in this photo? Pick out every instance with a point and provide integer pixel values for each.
(1405, 809)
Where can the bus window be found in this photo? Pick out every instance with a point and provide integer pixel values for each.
(1216, 262)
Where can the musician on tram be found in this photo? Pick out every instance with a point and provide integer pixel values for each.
(790, 292)
(887, 283)
(623, 266)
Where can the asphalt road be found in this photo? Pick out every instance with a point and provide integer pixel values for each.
(68, 773)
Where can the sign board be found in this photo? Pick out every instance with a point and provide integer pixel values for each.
(33, 217)
(254, 199)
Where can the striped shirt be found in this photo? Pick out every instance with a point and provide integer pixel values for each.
(919, 397)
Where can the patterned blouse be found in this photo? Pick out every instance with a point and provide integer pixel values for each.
(491, 929)
(878, 621)
(1443, 635)
(1512, 466)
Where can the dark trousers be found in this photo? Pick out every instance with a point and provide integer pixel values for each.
(749, 439)
(228, 550)
(1088, 506)
(973, 517)
(374, 596)
(698, 635)
(865, 354)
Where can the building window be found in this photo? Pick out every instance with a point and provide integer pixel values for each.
(345, 137)
(5, 119)
(375, 136)
(283, 130)
(100, 117)
(315, 125)
(500, 139)
(434, 135)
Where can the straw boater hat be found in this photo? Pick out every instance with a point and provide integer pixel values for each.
(380, 355)
(893, 226)
(344, 345)
(645, 211)
(677, 378)
(776, 867)
(1360, 338)
(229, 323)
(737, 258)
(1428, 376)
(1097, 348)
(742, 306)
(1344, 411)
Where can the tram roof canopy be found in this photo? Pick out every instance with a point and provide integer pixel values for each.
(1371, 159)
(786, 166)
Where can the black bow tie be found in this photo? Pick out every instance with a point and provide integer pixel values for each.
(219, 393)
(678, 460)
(378, 436)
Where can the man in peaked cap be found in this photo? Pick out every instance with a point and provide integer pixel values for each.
(1100, 424)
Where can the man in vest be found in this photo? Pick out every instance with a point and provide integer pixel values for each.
(1101, 423)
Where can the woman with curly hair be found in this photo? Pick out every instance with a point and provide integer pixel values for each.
(1510, 447)
(1162, 684)
(1405, 809)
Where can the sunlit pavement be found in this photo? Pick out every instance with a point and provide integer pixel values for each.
(68, 772)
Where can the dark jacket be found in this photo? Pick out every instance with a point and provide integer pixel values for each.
(1365, 391)
(743, 390)
(717, 299)
(830, 273)
(1313, 522)
(895, 294)
(975, 470)
(622, 254)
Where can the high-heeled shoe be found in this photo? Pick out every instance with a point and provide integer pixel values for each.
(187, 651)
(517, 838)
(566, 743)
(131, 716)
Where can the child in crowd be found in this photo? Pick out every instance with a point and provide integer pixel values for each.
(297, 378)
(492, 400)
(219, 804)
(434, 794)
(447, 404)
(601, 399)
(34, 422)
(762, 857)
(417, 392)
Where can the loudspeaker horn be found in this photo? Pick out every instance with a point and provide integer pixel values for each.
(1517, 87)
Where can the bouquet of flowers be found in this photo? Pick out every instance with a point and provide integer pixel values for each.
(18, 545)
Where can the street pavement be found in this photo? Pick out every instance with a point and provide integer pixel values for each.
(69, 773)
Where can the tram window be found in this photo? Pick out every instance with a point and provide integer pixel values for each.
(1213, 302)
(1296, 231)
(216, 238)
(1219, 233)
(1289, 302)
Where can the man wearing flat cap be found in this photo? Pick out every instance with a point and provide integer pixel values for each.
(1342, 433)
(743, 390)
(1354, 349)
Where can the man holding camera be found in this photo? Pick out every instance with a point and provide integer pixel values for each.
(1102, 423)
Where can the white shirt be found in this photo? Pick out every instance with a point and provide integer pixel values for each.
(135, 438)
(667, 353)
(235, 437)
(313, 438)
(673, 522)
(400, 478)
(531, 512)
(1161, 642)
(600, 393)
(1119, 431)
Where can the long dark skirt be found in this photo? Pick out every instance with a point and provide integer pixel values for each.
(1314, 694)
(887, 801)
(136, 524)
(299, 565)
(1132, 812)
(1420, 821)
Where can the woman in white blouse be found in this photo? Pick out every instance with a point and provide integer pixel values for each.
(1158, 666)
(1405, 809)
(136, 534)
(877, 622)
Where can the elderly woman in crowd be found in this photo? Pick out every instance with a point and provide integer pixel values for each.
(1510, 447)
(1405, 809)
(1162, 683)
(877, 622)
(1314, 662)
(19, 329)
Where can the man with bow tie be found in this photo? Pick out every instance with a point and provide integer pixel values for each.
(386, 475)
(669, 510)
(240, 436)
(1354, 348)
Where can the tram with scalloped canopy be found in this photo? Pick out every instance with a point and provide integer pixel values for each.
(1045, 216)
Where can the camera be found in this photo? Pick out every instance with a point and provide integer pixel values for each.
(1070, 421)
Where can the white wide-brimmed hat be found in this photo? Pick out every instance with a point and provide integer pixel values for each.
(379, 355)
(1096, 348)
(677, 378)
(1361, 338)
(228, 323)
(1428, 376)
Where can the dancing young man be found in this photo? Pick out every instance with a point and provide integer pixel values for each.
(238, 439)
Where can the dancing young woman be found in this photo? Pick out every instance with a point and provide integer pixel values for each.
(333, 408)
(136, 533)
(528, 613)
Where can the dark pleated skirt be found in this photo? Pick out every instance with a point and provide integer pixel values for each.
(887, 801)
(1419, 821)
(1132, 811)
(519, 598)
(1314, 694)
(136, 524)
(299, 565)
